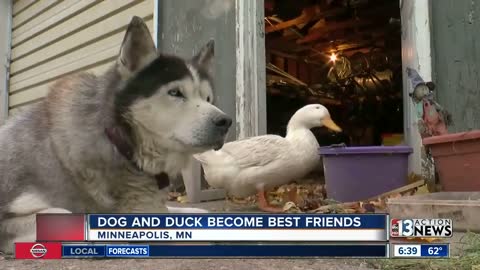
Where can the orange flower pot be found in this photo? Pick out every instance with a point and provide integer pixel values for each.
(457, 160)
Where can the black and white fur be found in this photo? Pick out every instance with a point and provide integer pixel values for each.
(95, 143)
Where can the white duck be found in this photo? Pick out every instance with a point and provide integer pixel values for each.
(260, 163)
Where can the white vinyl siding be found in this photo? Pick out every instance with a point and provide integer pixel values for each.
(53, 38)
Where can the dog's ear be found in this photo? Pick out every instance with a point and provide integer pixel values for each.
(137, 49)
(205, 56)
(431, 86)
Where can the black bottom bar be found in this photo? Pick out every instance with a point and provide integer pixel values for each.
(270, 251)
(222, 251)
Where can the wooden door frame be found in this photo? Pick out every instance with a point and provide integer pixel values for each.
(416, 54)
(5, 48)
(251, 103)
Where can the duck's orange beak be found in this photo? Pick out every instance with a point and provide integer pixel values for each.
(328, 122)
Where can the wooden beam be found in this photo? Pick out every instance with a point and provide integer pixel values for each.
(317, 15)
(319, 24)
(321, 32)
(286, 44)
(368, 16)
(297, 58)
(344, 47)
(399, 190)
(307, 15)
(351, 39)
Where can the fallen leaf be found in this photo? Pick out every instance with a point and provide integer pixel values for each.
(172, 196)
(350, 211)
(422, 190)
(413, 177)
(398, 195)
(311, 197)
(369, 207)
(247, 200)
(291, 207)
(182, 199)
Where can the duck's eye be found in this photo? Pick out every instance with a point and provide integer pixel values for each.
(175, 92)
(208, 99)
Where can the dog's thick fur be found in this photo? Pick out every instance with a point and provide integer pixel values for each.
(94, 144)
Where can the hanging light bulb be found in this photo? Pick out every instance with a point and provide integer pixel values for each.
(333, 57)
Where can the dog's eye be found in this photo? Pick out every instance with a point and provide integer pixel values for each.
(175, 92)
(208, 99)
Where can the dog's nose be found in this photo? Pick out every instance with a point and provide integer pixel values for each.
(223, 121)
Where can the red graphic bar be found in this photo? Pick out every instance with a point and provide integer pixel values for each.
(60, 227)
(38, 250)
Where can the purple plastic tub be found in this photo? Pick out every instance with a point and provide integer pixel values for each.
(358, 173)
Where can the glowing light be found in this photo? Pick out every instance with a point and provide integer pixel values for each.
(333, 57)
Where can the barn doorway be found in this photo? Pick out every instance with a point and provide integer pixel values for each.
(345, 55)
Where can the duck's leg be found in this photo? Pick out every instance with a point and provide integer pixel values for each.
(264, 205)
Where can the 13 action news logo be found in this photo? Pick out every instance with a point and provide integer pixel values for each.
(38, 251)
(421, 228)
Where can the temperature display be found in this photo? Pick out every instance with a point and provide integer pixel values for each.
(420, 250)
(438, 250)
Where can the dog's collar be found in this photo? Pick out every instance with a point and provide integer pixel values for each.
(162, 180)
(125, 148)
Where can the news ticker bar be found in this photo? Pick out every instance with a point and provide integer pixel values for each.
(53, 250)
(212, 227)
(420, 250)
(64, 251)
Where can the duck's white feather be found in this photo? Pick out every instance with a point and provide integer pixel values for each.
(242, 167)
(252, 152)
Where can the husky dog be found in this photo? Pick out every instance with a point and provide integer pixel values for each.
(95, 144)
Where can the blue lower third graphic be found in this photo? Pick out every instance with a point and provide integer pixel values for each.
(211, 251)
(435, 250)
(127, 251)
(83, 251)
(224, 251)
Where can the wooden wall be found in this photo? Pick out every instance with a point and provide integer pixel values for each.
(5, 21)
(52, 38)
(456, 48)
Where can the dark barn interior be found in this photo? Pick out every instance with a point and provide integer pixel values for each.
(344, 54)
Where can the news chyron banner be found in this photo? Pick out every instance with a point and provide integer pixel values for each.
(230, 235)
(207, 235)
(212, 227)
(61, 236)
